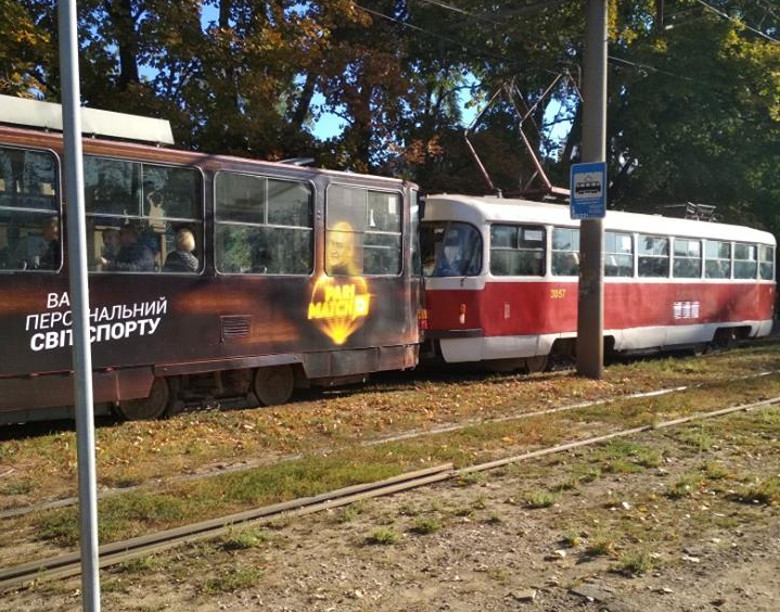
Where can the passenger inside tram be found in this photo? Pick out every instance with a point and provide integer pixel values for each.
(182, 259)
(38, 251)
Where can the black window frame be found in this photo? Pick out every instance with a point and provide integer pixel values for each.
(43, 213)
(172, 223)
(256, 270)
(365, 232)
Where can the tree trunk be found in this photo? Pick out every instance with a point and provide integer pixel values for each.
(121, 13)
(224, 13)
(304, 101)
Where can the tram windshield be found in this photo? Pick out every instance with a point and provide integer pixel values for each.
(450, 249)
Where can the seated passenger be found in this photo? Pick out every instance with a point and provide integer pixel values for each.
(133, 256)
(39, 252)
(182, 259)
(111, 245)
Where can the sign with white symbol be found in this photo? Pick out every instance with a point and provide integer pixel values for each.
(588, 190)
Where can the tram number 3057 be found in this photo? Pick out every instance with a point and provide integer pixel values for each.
(557, 294)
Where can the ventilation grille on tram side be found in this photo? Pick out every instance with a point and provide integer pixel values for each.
(234, 327)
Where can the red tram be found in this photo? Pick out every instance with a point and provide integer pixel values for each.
(210, 275)
(501, 281)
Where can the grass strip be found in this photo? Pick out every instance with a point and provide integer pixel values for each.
(142, 511)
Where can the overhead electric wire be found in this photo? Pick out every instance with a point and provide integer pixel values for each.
(641, 66)
(736, 21)
(530, 8)
(478, 52)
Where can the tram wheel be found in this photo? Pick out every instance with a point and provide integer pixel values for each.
(147, 408)
(536, 364)
(274, 385)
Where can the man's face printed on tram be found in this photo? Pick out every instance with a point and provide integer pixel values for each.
(341, 249)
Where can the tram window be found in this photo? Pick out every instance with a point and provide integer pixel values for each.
(363, 234)
(717, 259)
(565, 252)
(143, 217)
(112, 187)
(745, 261)
(687, 258)
(263, 225)
(619, 254)
(289, 204)
(414, 217)
(29, 211)
(517, 250)
(450, 249)
(240, 198)
(653, 256)
(766, 258)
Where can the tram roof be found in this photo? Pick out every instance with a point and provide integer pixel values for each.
(139, 151)
(47, 115)
(484, 209)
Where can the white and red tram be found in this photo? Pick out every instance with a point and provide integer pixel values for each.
(501, 281)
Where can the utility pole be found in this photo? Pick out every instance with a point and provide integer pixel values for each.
(590, 311)
(79, 301)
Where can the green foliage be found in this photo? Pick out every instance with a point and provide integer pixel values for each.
(697, 111)
(244, 538)
(426, 525)
(21, 487)
(383, 536)
(694, 99)
(571, 538)
(764, 491)
(232, 579)
(541, 499)
(602, 545)
(636, 563)
(685, 486)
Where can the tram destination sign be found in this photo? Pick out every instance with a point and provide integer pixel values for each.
(588, 186)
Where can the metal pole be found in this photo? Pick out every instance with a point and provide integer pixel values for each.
(79, 300)
(590, 313)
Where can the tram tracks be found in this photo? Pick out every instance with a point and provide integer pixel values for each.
(403, 436)
(69, 565)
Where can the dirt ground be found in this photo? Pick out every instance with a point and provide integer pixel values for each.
(682, 519)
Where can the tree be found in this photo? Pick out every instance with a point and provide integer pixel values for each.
(694, 114)
(25, 45)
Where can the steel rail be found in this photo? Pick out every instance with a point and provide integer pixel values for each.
(69, 565)
(617, 434)
(111, 554)
(409, 435)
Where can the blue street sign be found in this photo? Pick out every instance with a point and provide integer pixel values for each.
(588, 186)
